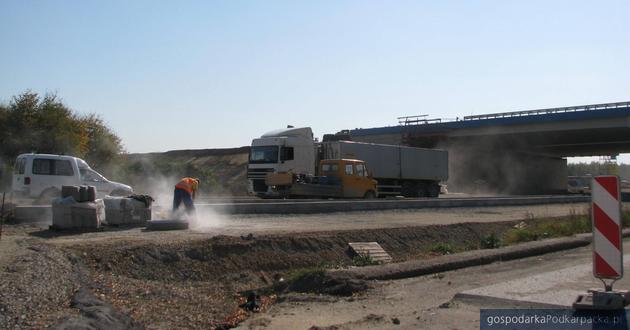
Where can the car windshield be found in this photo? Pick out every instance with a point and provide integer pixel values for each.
(90, 175)
(330, 168)
(264, 155)
(82, 164)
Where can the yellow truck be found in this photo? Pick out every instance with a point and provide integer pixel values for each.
(338, 178)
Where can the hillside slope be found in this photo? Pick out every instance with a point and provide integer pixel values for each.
(221, 171)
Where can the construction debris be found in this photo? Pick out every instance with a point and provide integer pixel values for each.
(167, 225)
(370, 250)
(128, 210)
(253, 302)
(601, 300)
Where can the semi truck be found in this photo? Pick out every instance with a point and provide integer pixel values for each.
(398, 170)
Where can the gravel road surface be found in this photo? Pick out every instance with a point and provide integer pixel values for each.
(424, 302)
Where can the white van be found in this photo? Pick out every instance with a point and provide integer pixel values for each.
(41, 176)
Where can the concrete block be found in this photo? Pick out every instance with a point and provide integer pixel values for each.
(86, 215)
(67, 214)
(83, 194)
(126, 211)
(370, 250)
(71, 191)
(91, 193)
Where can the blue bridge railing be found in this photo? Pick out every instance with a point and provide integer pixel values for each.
(590, 107)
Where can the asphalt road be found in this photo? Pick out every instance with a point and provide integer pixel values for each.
(209, 221)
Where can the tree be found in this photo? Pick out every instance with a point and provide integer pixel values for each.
(30, 123)
(103, 146)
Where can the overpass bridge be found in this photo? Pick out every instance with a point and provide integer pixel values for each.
(514, 152)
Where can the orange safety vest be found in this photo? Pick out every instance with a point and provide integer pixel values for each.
(188, 184)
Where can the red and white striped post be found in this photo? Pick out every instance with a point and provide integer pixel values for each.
(606, 216)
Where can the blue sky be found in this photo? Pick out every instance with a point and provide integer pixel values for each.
(187, 74)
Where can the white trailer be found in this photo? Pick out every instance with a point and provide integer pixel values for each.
(399, 170)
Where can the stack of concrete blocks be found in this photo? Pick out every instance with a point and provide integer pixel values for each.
(78, 208)
(126, 211)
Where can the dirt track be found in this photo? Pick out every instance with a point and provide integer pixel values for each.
(192, 279)
(185, 283)
(424, 302)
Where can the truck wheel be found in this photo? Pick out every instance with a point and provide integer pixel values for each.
(409, 189)
(369, 195)
(433, 190)
(422, 191)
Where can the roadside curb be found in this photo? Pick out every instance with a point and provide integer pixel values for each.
(328, 206)
(445, 263)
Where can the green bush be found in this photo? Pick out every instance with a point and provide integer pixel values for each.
(575, 223)
(518, 235)
(301, 273)
(441, 248)
(360, 261)
(491, 241)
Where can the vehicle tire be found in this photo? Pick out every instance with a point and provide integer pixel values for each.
(167, 225)
(433, 190)
(369, 195)
(47, 196)
(421, 190)
(409, 189)
(119, 192)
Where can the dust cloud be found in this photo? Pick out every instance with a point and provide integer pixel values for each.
(496, 165)
(161, 188)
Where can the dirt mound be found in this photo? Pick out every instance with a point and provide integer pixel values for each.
(198, 283)
(223, 256)
(322, 282)
(223, 171)
(95, 314)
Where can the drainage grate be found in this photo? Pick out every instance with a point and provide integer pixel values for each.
(372, 250)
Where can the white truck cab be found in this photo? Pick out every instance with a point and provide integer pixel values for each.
(286, 150)
(42, 175)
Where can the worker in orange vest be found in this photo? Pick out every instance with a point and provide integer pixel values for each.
(185, 191)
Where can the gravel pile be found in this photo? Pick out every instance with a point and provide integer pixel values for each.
(36, 287)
